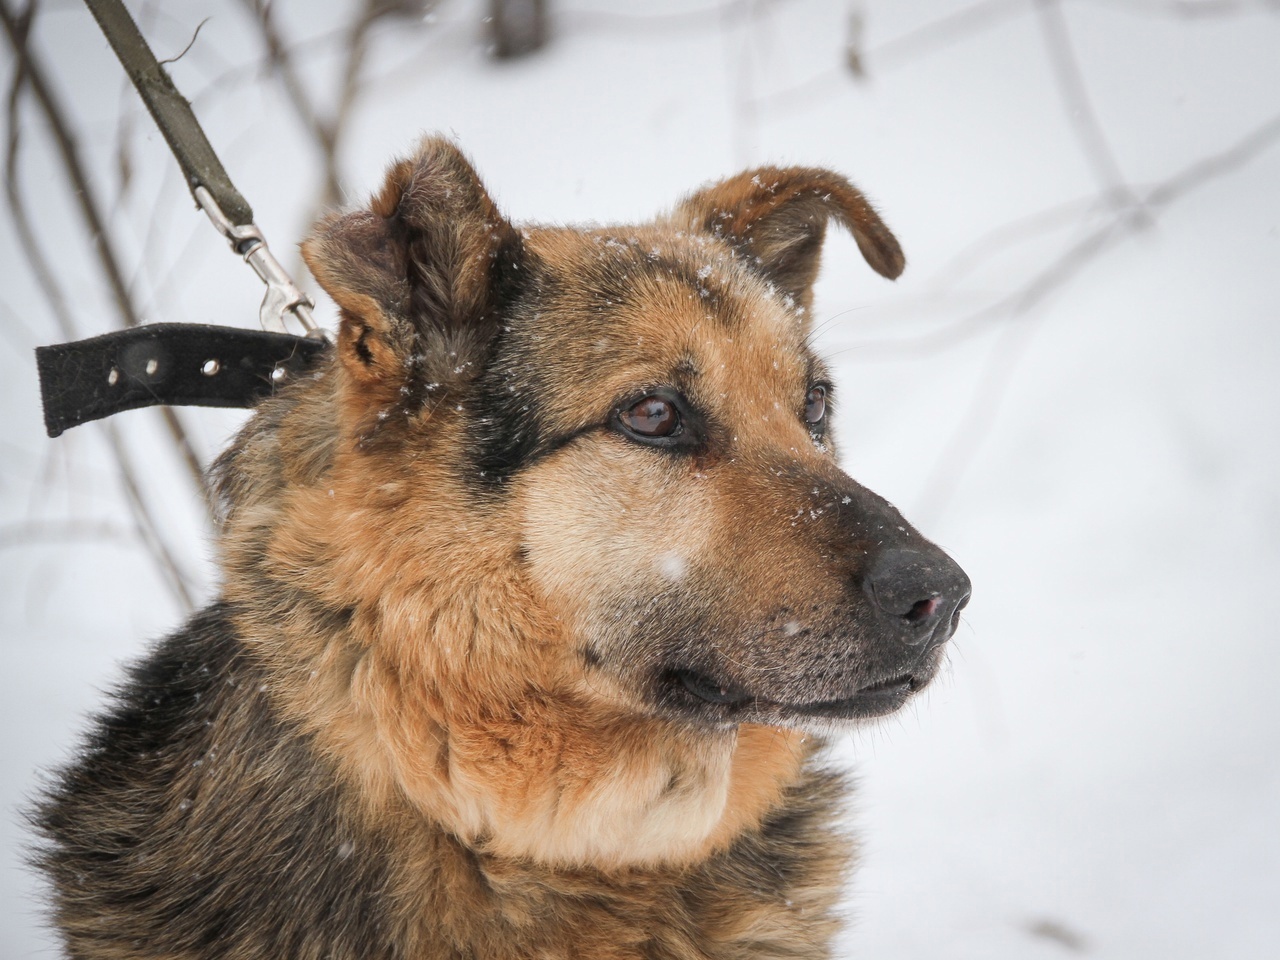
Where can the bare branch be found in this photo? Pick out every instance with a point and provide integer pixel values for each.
(943, 32)
(968, 21)
(280, 62)
(32, 74)
(64, 531)
(1215, 165)
(1080, 113)
(148, 528)
(912, 45)
(1018, 231)
(1070, 261)
(518, 27)
(1191, 9)
(325, 132)
(1013, 341)
(976, 422)
(632, 24)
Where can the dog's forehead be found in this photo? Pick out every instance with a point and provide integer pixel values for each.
(636, 307)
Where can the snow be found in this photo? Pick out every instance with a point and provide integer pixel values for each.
(1094, 439)
(672, 566)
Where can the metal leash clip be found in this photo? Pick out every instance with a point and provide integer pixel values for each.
(283, 296)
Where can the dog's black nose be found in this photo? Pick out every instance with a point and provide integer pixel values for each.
(918, 590)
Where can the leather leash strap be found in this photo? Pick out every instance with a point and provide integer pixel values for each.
(170, 110)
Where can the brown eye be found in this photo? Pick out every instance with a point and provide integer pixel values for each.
(815, 405)
(652, 417)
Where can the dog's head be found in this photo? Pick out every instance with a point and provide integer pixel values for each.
(644, 406)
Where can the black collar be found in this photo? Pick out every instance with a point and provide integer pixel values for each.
(182, 364)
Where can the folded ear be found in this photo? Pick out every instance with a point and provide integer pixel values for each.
(776, 217)
(419, 279)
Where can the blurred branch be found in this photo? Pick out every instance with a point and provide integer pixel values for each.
(631, 24)
(16, 333)
(943, 32)
(968, 21)
(518, 27)
(1215, 165)
(16, 26)
(1190, 9)
(280, 62)
(66, 531)
(326, 132)
(1014, 232)
(1070, 261)
(1080, 113)
(1001, 365)
(30, 72)
(920, 42)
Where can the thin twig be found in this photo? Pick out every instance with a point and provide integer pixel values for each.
(17, 28)
(1067, 263)
(893, 53)
(280, 61)
(633, 24)
(979, 416)
(190, 43)
(1215, 165)
(1190, 9)
(943, 32)
(352, 73)
(325, 132)
(1015, 232)
(967, 21)
(59, 531)
(1079, 111)
(46, 279)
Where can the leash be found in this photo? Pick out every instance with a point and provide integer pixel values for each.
(179, 363)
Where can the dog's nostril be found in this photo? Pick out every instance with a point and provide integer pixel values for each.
(922, 610)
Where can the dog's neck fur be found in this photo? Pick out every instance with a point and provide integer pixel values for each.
(421, 696)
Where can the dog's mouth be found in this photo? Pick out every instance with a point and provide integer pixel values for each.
(872, 700)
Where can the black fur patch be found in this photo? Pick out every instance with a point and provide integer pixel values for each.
(362, 348)
(191, 808)
(503, 415)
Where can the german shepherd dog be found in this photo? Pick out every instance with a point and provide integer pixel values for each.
(537, 600)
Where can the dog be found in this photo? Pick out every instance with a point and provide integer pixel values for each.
(538, 598)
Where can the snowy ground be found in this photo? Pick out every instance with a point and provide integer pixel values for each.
(1093, 434)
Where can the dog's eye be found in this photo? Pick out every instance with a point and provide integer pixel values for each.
(655, 417)
(815, 405)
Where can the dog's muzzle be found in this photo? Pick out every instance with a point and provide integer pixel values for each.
(911, 599)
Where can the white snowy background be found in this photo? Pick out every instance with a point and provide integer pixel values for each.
(1073, 388)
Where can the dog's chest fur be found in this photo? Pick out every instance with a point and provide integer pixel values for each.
(199, 818)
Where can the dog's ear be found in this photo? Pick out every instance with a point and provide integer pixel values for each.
(776, 218)
(419, 278)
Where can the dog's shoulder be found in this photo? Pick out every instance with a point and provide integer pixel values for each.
(191, 807)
